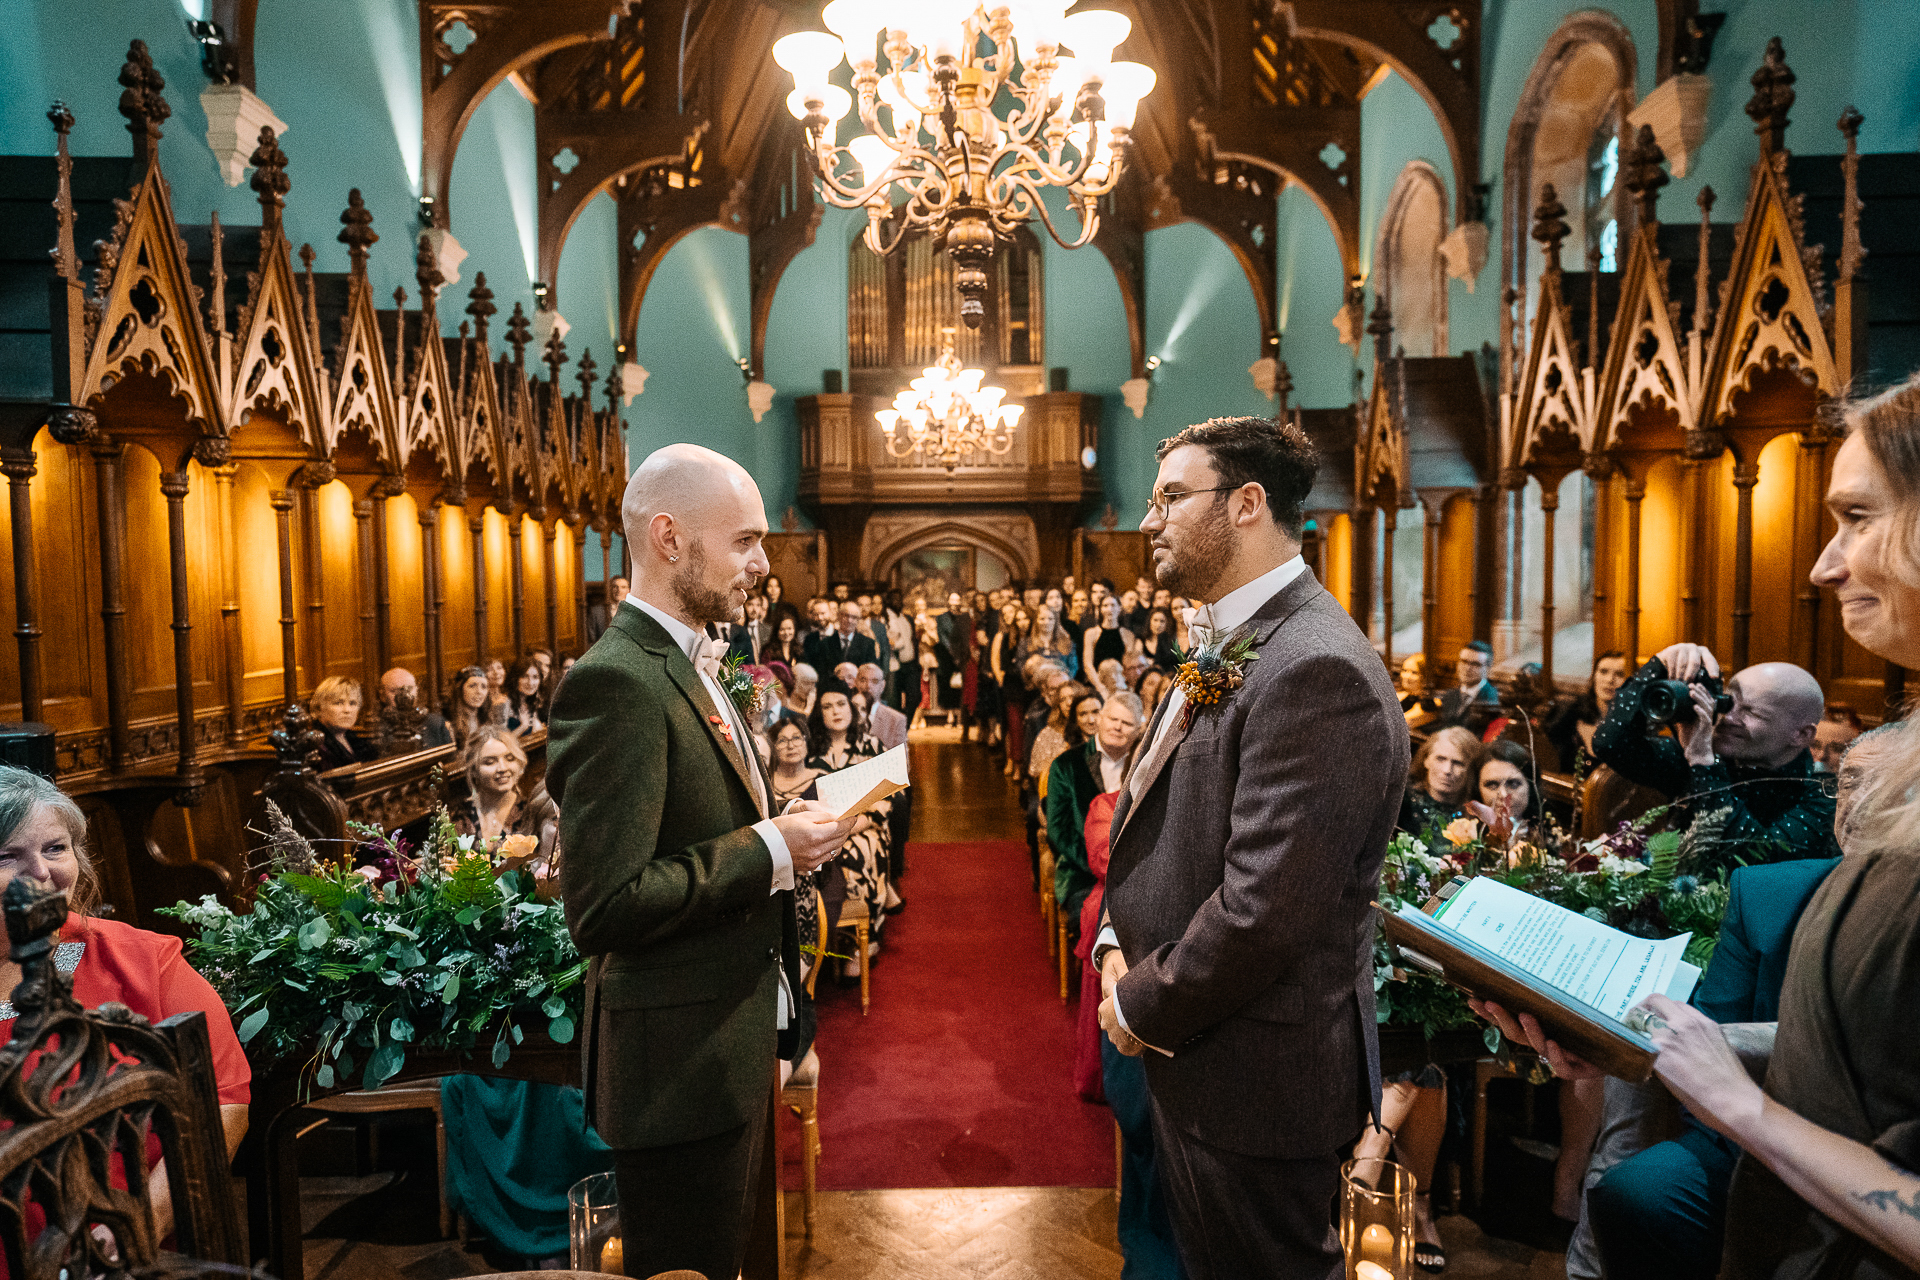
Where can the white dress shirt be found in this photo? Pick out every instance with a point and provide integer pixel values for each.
(1113, 769)
(1223, 617)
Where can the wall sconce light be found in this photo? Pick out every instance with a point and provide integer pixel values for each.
(539, 289)
(1153, 362)
(426, 211)
(216, 56)
(746, 368)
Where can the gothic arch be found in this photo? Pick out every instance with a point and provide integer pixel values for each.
(1408, 270)
(1022, 561)
(1582, 45)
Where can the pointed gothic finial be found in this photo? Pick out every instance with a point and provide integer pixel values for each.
(269, 180)
(1703, 270)
(1772, 97)
(480, 306)
(142, 104)
(615, 385)
(585, 377)
(1380, 325)
(1642, 174)
(66, 262)
(426, 270)
(1851, 250)
(356, 231)
(1550, 225)
(1593, 305)
(519, 334)
(555, 356)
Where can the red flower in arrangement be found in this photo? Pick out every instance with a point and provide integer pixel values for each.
(720, 723)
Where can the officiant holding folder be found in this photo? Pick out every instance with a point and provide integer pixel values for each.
(678, 877)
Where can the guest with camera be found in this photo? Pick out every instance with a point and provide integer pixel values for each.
(1744, 750)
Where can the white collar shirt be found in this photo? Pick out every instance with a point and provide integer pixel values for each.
(1226, 615)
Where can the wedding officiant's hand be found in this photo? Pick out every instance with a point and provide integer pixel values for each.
(813, 834)
(1701, 1068)
(1526, 1029)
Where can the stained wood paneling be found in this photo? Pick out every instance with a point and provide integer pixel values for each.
(339, 579)
(456, 585)
(406, 600)
(66, 578)
(499, 581)
(257, 553)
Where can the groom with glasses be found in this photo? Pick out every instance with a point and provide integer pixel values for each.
(1237, 957)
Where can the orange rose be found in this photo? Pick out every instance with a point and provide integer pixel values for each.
(1461, 831)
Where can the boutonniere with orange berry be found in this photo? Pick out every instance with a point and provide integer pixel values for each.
(1216, 668)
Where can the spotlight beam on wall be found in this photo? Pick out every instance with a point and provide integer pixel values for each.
(395, 49)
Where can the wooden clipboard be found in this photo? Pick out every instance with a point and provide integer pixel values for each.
(1420, 942)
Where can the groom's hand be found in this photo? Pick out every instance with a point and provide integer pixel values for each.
(1123, 1040)
(1112, 969)
(813, 833)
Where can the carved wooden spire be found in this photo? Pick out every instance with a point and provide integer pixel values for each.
(615, 385)
(1703, 270)
(1772, 97)
(480, 306)
(66, 263)
(519, 334)
(269, 180)
(585, 378)
(555, 356)
(142, 104)
(1642, 174)
(1380, 325)
(1851, 250)
(426, 270)
(1550, 225)
(356, 231)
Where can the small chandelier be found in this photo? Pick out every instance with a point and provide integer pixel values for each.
(946, 414)
(969, 175)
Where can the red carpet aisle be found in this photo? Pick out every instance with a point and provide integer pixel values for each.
(961, 1074)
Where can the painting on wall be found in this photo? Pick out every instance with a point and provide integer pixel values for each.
(931, 572)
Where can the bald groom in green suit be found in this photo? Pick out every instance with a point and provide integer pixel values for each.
(678, 879)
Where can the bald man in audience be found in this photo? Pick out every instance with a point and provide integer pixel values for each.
(1755, 761)
(889, 726)
(397, 680)
(679, 874)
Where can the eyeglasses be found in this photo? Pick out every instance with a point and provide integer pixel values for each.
(1162, 504)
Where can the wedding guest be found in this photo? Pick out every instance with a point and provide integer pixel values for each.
(836, 740)
(1134, 612)
(1158, 643)
(1412, 682)
(785, 647)
(336, 707)
(1109, 640)
(1135, 668)
(889, 726)
(926, 638)
(1078, 618)
(1055, 641)
(954, 651)
(778, 606)
(525, 710)
(805, 692)
(1437, 783)
(792, 779)
(43, 836)
(1109, 679)
(1571, 730)
(1153, 687)
(903, 676)
(1833, 735)
(1473, 699)
(1062, 728)
(1180, 607)
(1109, 729)
(496, 680)
(745, 640)
(1504, 782)
(493, 807)
(470, 704)
(433, 729)
(1006, 656)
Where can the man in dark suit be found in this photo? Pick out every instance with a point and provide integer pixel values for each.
(746, 639)
(847, 642)
(678, 882)
(1472, 700)
(1246, 848)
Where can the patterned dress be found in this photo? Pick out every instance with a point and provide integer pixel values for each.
(806, 907)
(864, 857)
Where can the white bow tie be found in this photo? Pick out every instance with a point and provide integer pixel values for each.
(707, 655)
(1200, 626)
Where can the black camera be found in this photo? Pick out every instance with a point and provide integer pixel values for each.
(1666, 702)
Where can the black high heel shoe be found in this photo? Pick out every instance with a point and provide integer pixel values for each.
(1430, 1258)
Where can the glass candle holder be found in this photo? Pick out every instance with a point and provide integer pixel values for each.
(1376, 1219)
(593, 1226)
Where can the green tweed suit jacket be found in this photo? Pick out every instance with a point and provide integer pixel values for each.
(668, 892)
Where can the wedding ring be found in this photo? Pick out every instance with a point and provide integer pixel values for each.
(1644, 1021)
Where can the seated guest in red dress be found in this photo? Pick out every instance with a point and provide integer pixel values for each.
(43, 837)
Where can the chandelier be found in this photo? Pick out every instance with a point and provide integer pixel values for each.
(968, 174)
(946, 413)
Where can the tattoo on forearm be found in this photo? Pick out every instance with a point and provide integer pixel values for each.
(1891, 1201)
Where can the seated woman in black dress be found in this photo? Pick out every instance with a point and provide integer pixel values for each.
(526, 710)
(335, 704)
(1109, 641)
(1437, 784)
(1158, 643)
(1505, 786)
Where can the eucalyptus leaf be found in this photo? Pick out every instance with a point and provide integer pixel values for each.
(451, 991)
(383, 1065)
(501, 1052)
(553, 1007)
(401, 1030)
(324, 1076)
(561, 1030)
(315, 933)
(251, 1025)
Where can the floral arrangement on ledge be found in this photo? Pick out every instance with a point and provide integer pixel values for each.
(349, 966)
(1637, 879)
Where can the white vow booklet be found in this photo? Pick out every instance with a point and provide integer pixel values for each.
(858, 788)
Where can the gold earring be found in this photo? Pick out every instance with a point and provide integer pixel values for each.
(673, 559)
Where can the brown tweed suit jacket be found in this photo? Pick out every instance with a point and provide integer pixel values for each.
(1240, 884)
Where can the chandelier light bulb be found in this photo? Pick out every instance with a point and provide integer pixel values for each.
(1094, 34)
(835, 102)
(857, 23)
(809, 55)
(873, 155)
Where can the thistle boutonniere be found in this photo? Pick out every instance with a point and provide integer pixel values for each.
(1215, 669)
(748, 692)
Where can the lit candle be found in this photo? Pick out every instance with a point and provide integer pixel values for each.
(613, 1260)
(1372, 1271)
(1376, 1245)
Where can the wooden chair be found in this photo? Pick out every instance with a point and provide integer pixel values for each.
(415, 1095)
(855, 916)
(801, 1095)
(1062, 950)
(820, 939)
(113, 1079)
(1049, 909)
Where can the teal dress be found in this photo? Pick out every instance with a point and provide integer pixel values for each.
(513, 1151)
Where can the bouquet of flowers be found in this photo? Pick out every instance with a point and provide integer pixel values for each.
(348, 967)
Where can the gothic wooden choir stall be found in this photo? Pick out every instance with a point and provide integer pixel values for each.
(254, 476)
